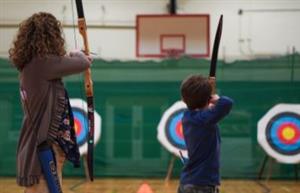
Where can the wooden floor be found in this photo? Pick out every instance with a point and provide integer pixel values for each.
(8, 185)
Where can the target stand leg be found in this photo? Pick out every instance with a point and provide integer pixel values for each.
(86, 170)
(262, 168)
(269, 174)
(296, 172)
(170, 169)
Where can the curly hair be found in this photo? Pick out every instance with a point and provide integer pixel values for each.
(196, 91)
(39, 36)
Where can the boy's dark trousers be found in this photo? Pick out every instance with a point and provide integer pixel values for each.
(189, 188)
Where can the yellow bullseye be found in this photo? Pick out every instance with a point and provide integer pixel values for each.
(288, 133)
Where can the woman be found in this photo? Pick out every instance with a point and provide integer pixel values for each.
(39, 54)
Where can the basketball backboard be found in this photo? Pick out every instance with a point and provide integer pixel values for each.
(168, 35)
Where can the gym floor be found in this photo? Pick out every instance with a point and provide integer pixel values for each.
(125, 185)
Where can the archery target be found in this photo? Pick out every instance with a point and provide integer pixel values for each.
(279, 133)
(79, 108)
(170, 131)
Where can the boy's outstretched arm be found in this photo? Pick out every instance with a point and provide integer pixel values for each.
(219, 108)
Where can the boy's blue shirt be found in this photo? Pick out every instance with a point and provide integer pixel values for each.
(202, 138)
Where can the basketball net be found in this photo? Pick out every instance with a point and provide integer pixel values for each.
(173, 53)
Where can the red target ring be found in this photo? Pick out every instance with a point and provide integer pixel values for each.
(288, 133)
(179, 131)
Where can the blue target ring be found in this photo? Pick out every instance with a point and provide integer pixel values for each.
(174, 130)
(283, 133)
(80, 122)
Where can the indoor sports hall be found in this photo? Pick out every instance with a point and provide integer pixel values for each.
(127, 107)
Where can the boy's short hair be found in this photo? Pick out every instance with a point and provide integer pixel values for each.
(196, 91)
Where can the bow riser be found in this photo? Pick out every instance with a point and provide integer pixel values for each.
(88, 83)
(83, 33)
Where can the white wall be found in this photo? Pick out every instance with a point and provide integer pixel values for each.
(270, 30)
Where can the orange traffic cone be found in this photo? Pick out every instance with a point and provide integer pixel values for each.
(145, 188)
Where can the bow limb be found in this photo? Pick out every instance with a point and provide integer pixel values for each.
(88, 90)
(214, 58)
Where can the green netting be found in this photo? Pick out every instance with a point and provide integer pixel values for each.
(131, 97)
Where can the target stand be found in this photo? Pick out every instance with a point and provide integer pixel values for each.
(279, 135)
(79, 109)
(270, 161)
(170, 134)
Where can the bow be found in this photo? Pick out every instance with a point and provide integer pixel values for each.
(214, 58)
(88, 84)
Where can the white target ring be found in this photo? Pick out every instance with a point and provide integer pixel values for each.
(279, 133)
(170, 131)
(79, 109)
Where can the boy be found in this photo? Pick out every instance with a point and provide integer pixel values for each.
(202, 135)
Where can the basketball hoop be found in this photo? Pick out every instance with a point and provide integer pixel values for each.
(173, 53)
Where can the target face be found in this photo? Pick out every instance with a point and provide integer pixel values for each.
(79, 108)
(174, 130)
(80, 124)
(279, 133)
(170, 131)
